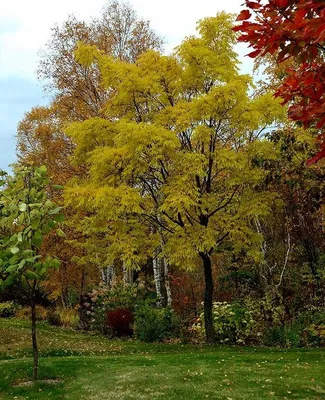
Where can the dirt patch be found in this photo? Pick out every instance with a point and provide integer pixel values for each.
(31, 383)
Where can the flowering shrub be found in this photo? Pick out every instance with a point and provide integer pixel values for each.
(261, 321)
(266, 311)
(233, 323)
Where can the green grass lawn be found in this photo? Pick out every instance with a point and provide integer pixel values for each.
(92, 367)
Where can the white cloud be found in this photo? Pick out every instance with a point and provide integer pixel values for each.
(32, 21)
(177, 18)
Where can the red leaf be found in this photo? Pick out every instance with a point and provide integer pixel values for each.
(281, 3)
(292, 82)
(321, 37)
(254, 53)
(237, 28)
(317, 157)
(321, 123)
(253, 5)
(299, 17)
(244, 14)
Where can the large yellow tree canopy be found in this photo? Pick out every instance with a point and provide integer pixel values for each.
(176, 156)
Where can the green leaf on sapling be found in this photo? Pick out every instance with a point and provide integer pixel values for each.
(22, 207)
(60, 233)
(14, 250)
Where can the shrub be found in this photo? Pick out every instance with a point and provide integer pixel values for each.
(266, 311)
(66, 317)
(53, 318)
(269, 322)
(312, 324)
(288, 335)
(293, 335)
(314, 315)
(8, 309)
(120, 321)
(233, 323)
(263, 322)
(85, 312)
(275, 336)
(307, 329)
(154, 324)
(96, 305)
(314, 335)
(25, 313)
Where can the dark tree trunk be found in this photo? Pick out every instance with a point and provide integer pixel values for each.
(313, 260)
(210, 334)
(34, 339)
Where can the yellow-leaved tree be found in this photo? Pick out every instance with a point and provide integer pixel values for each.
(175, 163)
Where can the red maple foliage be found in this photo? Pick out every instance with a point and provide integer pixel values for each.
(292, 28)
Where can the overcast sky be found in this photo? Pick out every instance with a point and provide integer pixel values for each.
(25, 26)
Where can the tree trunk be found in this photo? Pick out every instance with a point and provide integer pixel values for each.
(82, 283)
(63, 303)
(64, 288)
(210, 334)
(157, 274)
(164, 273)
(163, 290)
(107, 275)
(167, 284)
(127, 275)
(34, 339)
(313, 260)
(110, 273)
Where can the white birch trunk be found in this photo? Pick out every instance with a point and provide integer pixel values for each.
(127, 275)
(167, 284)
(157, 274)
(108, 275)
(164, 269)
(102, 273)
